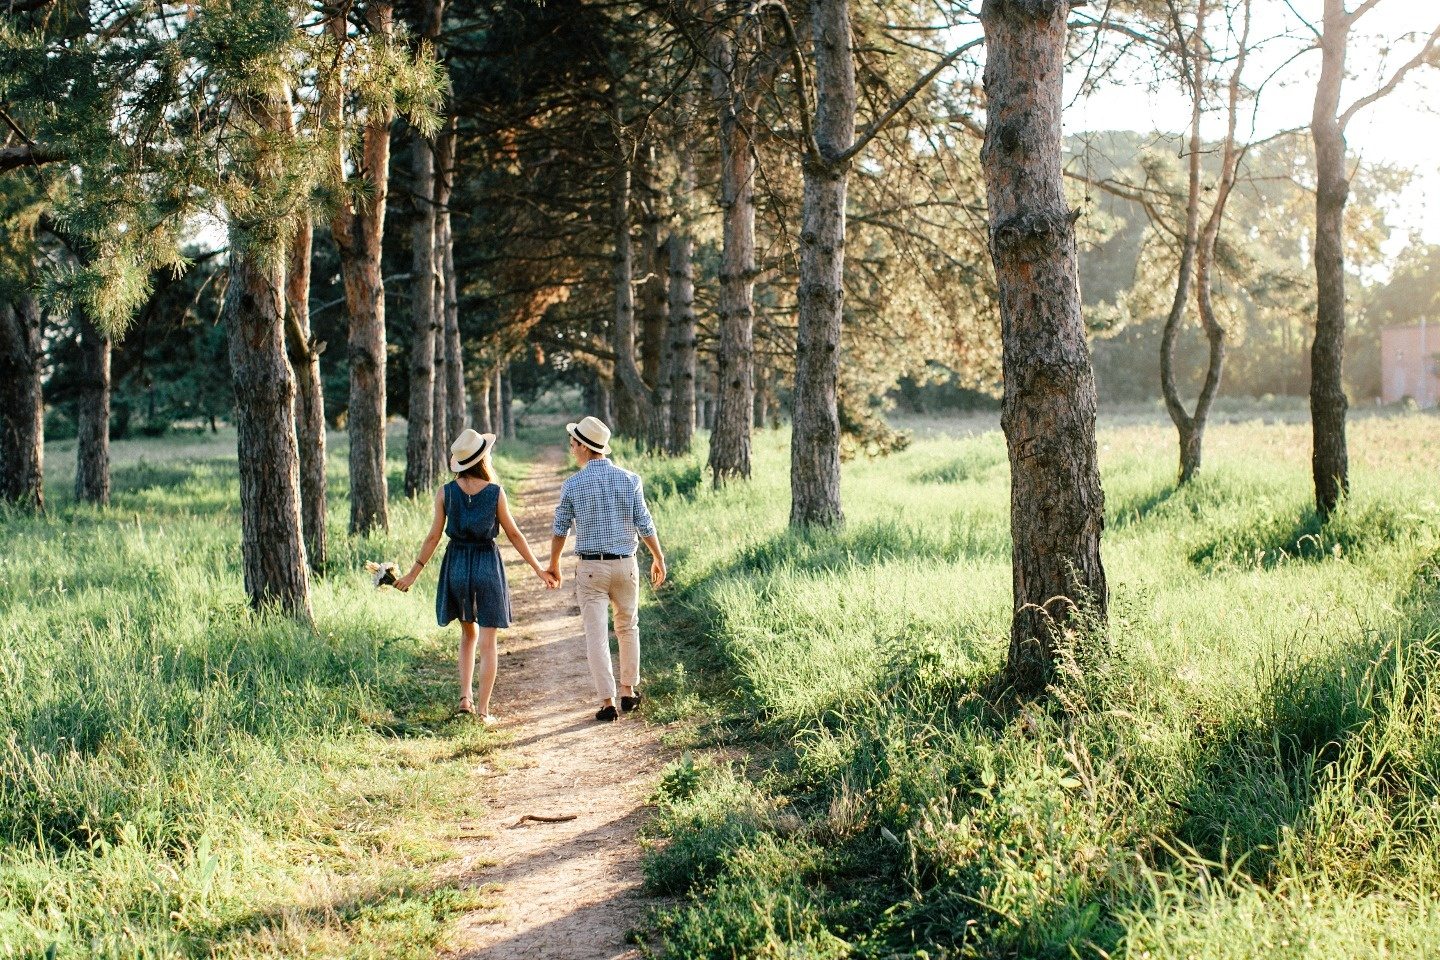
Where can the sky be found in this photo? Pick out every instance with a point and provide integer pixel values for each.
(1402, 129)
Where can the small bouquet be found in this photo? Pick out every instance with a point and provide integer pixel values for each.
(382, 574)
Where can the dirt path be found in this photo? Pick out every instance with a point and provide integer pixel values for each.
(569, 891)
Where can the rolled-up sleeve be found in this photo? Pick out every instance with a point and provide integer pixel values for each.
(564, 513)
(640, 516)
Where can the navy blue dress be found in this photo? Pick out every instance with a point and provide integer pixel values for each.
(472, 577)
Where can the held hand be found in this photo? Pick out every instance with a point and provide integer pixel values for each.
(657, 572)
(555, 576)
(405, 583)
(551, 581)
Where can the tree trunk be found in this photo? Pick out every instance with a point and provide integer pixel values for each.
(92, 449)
(1329, 462)
(631, 402)
(1204, 265)
(507, 406)
(419, 457)
(272, 544)
(730, 439)
(1191, 50)
(497, 412)
(454, 353)
(483, 423)
(1048, 412)
(358, 227)
(815, 440)
(653, 302)
(22, 405)
(304, 351)
(682, 333)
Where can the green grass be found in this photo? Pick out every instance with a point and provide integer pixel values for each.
(180, 777)
(1254, 772)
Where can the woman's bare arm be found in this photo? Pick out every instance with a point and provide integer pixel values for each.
(507, 523)
(428, 545)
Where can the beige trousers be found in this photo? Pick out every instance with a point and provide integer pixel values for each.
(599, 584)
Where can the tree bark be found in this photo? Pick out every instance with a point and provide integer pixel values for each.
(358, 228)
(483, 422)
(682, 335)
(272, 543)
(1048, 412)
(1191, 50)
(497, 412)
(507, 406)
(454, 353)
(632, 403)
(733, 422)
(1330, 461)
(92, 449)
(653, 305)
(815, 439)
(419, 455)
(22, 405)
(304, 352)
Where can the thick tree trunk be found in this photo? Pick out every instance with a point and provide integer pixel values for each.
(22, 405)
(419, 455)
(815, 440)
(682, 337)
(358, 228)
(304, 351)
(439, 440)
(92, 449)
(632, 403)
(454, 353)
(1329, 461)
(1048, 412)
(733, 421)
(272, 544)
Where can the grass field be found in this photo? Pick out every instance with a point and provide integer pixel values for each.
(1254, 771)
(181, 778)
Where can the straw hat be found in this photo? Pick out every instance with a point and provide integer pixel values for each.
(592, 434)
(469, 448)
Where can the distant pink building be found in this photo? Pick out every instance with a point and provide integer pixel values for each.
(1410, 364)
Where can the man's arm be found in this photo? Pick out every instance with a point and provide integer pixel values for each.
(645, 526)
(564, 519)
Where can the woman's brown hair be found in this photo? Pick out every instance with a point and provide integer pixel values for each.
(481, 470)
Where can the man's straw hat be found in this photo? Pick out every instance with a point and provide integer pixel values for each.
(592, 434)
(469, 448)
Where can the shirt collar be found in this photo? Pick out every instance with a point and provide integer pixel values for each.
(595, 460)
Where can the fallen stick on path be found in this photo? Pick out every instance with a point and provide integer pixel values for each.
(566, 818)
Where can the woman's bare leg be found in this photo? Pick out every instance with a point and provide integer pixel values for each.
(489, 661)
(468, 634)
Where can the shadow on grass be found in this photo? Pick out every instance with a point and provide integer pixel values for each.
(1265, 542)
(1134, 511)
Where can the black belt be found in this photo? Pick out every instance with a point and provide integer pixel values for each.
(606, 556)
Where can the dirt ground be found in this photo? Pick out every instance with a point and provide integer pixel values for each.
(569, 890)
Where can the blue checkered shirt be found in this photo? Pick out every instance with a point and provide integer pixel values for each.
(606, 505)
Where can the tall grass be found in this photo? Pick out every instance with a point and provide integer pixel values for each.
(1254, 771)
(181, 777)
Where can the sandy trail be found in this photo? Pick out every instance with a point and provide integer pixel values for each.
(571, 890)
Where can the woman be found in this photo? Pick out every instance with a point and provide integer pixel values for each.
(472, 509)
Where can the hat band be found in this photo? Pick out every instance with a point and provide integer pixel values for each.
(587, 441)
(474, 456)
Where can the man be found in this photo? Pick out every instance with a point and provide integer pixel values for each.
(606, 506)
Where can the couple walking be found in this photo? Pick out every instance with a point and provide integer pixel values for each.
(603, 503)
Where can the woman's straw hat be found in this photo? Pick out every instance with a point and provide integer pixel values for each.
(469, 448)
(592, 434)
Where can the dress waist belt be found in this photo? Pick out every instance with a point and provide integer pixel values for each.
(474, 541)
